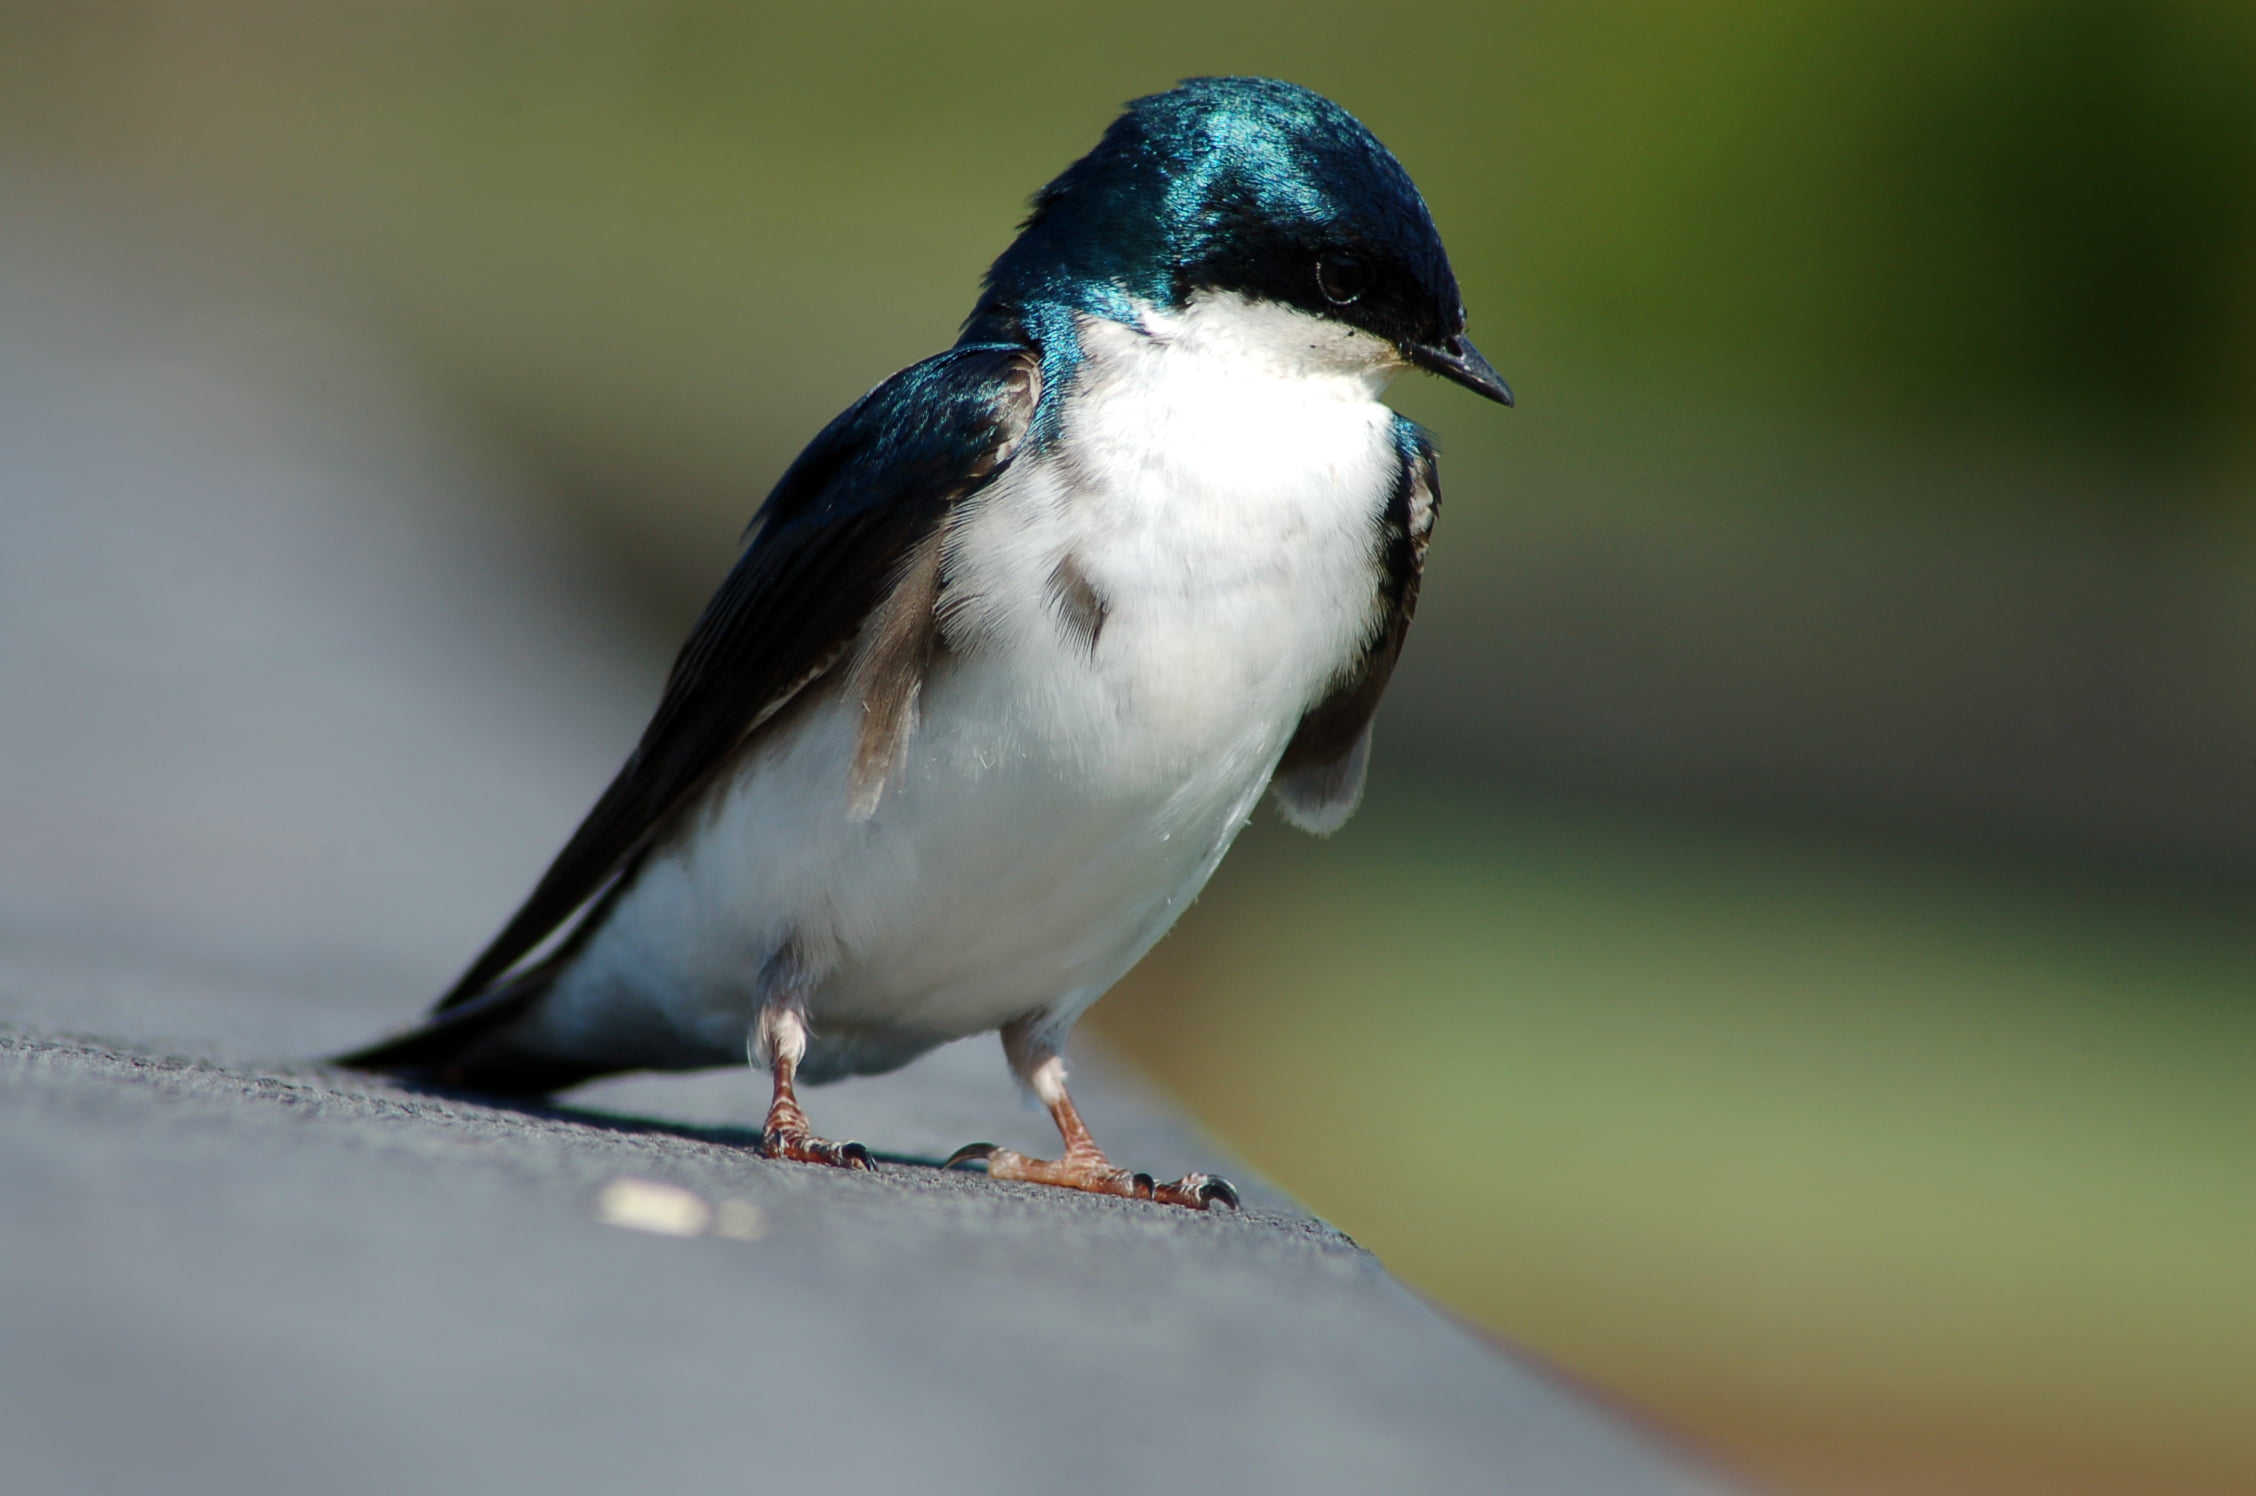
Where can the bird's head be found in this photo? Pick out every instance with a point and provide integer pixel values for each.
(1248, 188)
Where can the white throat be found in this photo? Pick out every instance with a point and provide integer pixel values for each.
(1267, 338)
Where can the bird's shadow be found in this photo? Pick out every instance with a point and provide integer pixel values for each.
(625, 1124)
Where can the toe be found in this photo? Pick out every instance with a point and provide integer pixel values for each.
(1196, 1192)
(1212, 1191)
(798, 1148)
(971, 1153)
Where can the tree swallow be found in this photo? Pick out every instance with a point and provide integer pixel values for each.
(1015, 645)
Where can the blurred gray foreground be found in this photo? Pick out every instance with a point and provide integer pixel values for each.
(292, 708)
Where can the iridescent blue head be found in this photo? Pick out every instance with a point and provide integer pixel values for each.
(1247, 186)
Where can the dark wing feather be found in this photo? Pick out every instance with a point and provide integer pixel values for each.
(1320, 778)
(826, 546)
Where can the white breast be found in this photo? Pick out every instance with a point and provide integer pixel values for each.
(1219, 483)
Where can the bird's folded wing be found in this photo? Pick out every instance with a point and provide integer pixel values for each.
(833, 544)
(1319, 780)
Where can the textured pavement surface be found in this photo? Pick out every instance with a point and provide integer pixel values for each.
(293, 705)
(229, 1276)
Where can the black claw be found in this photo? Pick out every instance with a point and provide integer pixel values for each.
(1219, 1189)
(971, 1153)
(1147, 1188)
(855, 1156)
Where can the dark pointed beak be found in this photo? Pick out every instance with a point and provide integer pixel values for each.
(1459, 361)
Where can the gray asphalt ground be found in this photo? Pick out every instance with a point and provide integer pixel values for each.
(294, 702)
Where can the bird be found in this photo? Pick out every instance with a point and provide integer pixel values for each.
(1014, 647)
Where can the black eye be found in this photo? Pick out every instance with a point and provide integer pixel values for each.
(1342, 277)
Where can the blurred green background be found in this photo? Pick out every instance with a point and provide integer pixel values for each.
(1795, 969)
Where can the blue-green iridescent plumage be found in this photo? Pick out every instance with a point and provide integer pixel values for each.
(1241, 185)
(1242, 188)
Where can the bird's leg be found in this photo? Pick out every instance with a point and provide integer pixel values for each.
(778, 1044)
(1034, 1059)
